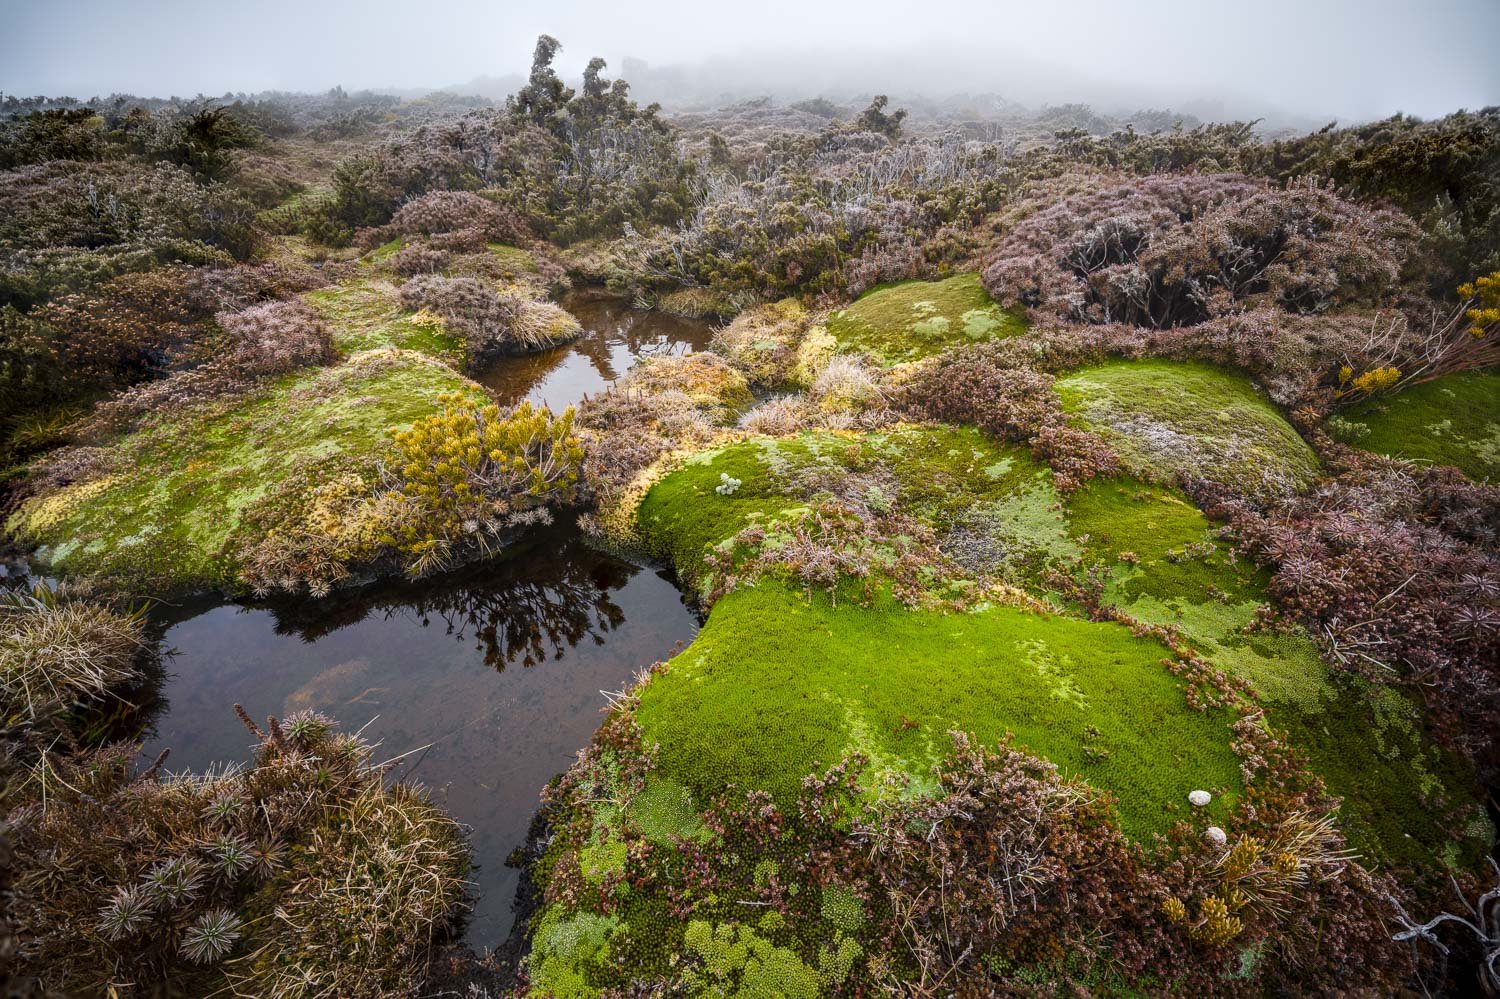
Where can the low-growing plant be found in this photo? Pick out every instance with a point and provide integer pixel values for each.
(455, 212)
(1176, 250)
(56, 650)
(985, 387)
(125, 329)
(466, 473)
(254, 344)
(491, 322)
(1393, 569)
(301, 875)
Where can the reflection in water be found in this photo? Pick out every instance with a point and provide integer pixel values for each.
(503, 693)
(582, 621)
(615, 337)
(513, 612)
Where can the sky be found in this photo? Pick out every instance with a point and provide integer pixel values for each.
(1350, 59)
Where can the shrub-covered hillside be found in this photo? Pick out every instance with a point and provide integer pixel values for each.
(1095, 540)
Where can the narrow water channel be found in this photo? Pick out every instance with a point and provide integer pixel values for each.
(492, 674)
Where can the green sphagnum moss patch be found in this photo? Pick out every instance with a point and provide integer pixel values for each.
(1168, 567)
(1167, 418)
(1453, 420)
(786, 686)
(776, 687)
(916, 319)
(366, 314)
(169, 516)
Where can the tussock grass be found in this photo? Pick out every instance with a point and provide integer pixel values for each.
(55, 650)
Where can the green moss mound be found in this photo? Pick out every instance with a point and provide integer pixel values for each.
(1167, 419)
(1167, 566)
(939, 475)
(169, 515)
(917, 319)
(1454, 420)
(776, 687)
(877, 678)
(367, 315)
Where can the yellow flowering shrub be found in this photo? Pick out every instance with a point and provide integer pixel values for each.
(470, 471)
(1376, 380)
(1484, 312)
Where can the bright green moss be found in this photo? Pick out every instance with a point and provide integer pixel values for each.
(917, 319)
(367, 314)
(169, 517)
(1167, 418)
(383, 252)
(664, 811)
(564, 948)
(938, 475)
(513, 258)
(776, 687)
(1363, 740)
(1454, 420)
(600, 859)
(737, 961)
(843, 909)
(1165, 565)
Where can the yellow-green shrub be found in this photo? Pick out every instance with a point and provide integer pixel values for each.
(470, 471)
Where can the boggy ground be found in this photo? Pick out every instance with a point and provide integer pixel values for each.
(874, 584)
(179, 500)
(1104, 601)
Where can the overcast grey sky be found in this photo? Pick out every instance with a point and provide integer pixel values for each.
(1351, 58)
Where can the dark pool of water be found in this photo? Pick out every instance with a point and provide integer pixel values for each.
(498, 668)
(615, 337)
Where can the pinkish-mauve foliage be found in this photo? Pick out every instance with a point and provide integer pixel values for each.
(229, 289)
(409, 261)
(276, 337)
(1010, 400)
(451, 212)
(1394, 568)
(264, 340)
(1179, 249)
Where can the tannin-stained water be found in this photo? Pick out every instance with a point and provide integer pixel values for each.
(490, 677)
(615, 337)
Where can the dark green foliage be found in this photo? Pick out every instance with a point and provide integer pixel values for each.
(65, 227)
(874, 118)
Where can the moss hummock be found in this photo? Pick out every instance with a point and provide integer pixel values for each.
(1167, 566)
(367, 314)
(1167, 419)
(168, 515)
(916, 319)
(1453, 420)
(777, 685)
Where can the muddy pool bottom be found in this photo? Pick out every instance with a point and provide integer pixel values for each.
(497, 668)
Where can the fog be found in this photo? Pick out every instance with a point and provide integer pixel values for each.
(1320, 59)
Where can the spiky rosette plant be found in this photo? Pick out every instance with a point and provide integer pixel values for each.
(302, 874)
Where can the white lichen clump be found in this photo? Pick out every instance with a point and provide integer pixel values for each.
(727, 484)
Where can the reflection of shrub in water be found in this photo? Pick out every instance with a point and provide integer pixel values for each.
(535, 605)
